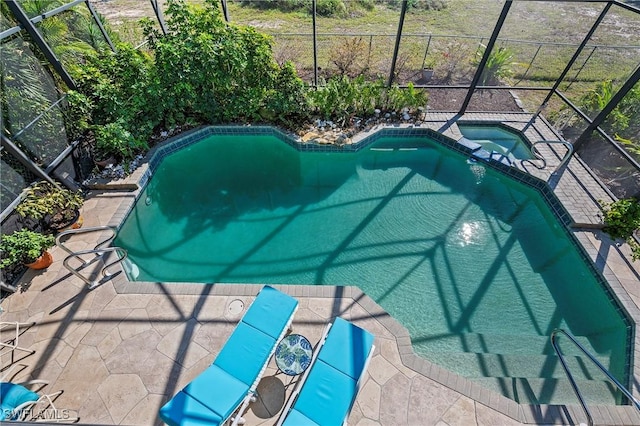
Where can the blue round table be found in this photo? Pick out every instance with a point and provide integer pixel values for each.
(293, 354)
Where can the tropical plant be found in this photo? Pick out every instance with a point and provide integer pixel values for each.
(23, 246)
(113, 140)
(621, 220)
(630, 145)
(68, 33)
(342, 98)
(499, 64)
(621, 119)
(597, 98)
(50, 205)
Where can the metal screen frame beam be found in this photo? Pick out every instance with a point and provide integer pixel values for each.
(39, 18)
(163, 26)
(96, 19)
(315, 42)
(37, 38)
(396, 49)
(573, 59)
(485, 56)
(615, 100)
(23, 159)
(225, 10)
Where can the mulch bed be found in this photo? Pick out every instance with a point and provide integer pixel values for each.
(489, 100)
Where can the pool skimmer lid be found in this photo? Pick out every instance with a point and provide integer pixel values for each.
(235, 308)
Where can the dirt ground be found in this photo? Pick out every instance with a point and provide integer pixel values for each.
(482, 100)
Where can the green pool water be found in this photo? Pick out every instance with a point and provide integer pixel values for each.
(474, 265)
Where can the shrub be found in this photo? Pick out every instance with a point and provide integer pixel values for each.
(330, 8)
(120, 86)
(215, 72)
(23, 246)
(622, 117)
(347, 56)
(498, 66)
(78, 114)
(342, 97)
(113, 140)
(622, 220)
(288, 100)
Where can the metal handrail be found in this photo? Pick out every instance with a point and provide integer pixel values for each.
(99, 250)
(602, 368)
(101, 244)
(539, 156)
(122, 255)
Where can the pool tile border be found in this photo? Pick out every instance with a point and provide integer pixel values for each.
(522, 412)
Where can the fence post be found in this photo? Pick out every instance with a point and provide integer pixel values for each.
(426, 51)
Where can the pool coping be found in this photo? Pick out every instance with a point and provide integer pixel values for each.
(526, 413)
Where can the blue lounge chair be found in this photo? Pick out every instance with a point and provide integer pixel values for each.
(230, 382)
(328, 389)
(18, 402)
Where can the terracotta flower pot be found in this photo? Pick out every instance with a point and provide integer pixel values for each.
(42, 262)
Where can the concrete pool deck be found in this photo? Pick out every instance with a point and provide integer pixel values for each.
(121, 350)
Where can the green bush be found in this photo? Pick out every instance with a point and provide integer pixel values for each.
(499, 65)
(113, 140)
(216, 72)
(342, 97)
(621, 220)
(77, 114)
(622, 119)
(330, 8)
(23, 246)
(288, 101)
(121, 88)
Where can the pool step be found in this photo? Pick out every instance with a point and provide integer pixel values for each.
(471, 364)
(551, 391)
(501, 344)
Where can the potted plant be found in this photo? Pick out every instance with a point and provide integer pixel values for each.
(26, 247)
(52, 206)
(428, 67)
(622, 220)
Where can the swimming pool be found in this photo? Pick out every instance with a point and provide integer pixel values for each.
(494, 138)
(474, 265)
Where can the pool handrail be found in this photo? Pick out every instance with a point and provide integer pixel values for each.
(99, 250)
(565, 160)
(87, 230)
(602, 368)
